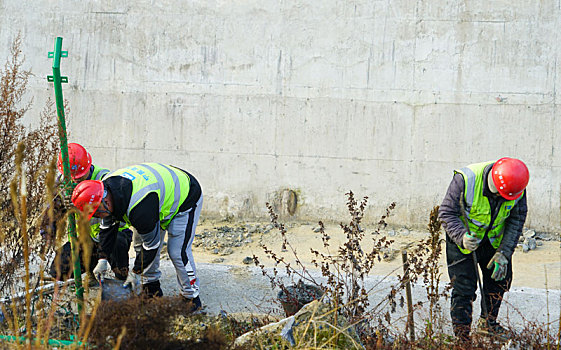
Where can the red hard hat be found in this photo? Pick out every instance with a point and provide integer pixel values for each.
(510, 177)
(80, 161)
(87, 196)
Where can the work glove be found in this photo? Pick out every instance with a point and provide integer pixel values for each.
(132, 281)
(470, 242)
(500, 263)
(101, 268)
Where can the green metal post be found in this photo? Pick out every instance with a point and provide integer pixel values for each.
(57, 54)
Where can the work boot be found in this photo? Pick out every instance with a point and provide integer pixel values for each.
(461, 331)
(121, 273)
(195, 303)
(490, 328)
(152, 289)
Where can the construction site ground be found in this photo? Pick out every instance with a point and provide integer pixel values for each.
(231, 284)
(530, 267)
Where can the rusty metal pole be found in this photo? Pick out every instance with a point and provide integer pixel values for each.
(410, 321)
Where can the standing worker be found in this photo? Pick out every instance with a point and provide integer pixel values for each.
(150, 197)
(81, 169)
(494, 205)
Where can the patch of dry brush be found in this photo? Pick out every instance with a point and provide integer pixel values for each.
(38, 148)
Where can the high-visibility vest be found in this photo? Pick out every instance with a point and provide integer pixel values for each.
(477, 208)
(170, 184)
(98, 173)
(94, 228)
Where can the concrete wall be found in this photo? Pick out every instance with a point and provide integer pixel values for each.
(319, 97)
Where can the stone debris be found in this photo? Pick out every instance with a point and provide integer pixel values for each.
(542, 236)
(529, 244)
(545, 236)
(247, 260)
(404, 232)
(294, 297)
(529, 234)
(222, 239)
(227, 251)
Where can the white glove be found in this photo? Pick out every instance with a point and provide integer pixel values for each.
(101, 268)
(132, 281)
(470, 242)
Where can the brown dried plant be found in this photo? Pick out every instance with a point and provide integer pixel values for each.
(145, 323)
(344, 269)
(37, 309)
(40, 145)
(424, 266)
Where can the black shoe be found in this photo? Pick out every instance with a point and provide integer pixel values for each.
(196, 304)
(121, 273)
(461, 331)
(152, 289)
(493, 329)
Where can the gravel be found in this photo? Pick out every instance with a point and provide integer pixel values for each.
(222, 239)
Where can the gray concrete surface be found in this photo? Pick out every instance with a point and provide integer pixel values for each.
(257, 97)
(245, 289)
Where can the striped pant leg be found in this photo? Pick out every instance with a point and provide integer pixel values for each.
(181, 233)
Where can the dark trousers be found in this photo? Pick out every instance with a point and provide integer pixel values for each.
(62, 268)
(464, 282)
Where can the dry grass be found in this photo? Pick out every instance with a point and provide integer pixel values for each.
(38, 147)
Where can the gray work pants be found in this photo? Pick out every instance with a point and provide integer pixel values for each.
(181, 232)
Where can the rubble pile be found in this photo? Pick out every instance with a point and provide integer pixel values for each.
(223, 240)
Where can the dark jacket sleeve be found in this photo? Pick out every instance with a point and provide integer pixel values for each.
(145, 218)
(513, 227)
(107, 236)
(449, 212)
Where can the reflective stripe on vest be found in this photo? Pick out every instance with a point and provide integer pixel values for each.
(95, 228)
(99, 173)
(139, 176)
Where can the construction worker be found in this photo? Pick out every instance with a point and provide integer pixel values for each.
(81, 168)
(491, 198)
(150, 197)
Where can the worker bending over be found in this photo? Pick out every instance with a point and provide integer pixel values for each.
(150, 197)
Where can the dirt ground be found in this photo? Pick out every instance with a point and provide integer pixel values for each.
(539, 268)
